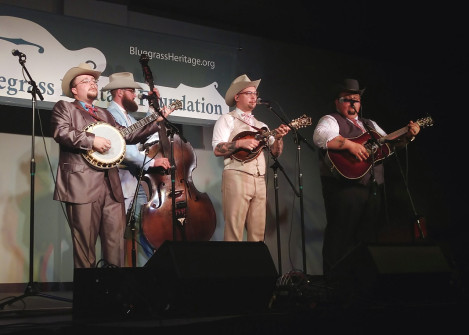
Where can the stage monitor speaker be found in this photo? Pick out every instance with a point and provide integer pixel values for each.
(397, 273)
(214, 277)
(115, 294)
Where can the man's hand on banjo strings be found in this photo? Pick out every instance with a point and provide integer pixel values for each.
(101, 144)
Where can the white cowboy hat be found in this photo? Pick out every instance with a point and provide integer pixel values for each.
(83, 68)
(121, 80)
(237, 86)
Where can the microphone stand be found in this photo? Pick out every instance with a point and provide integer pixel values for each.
(298, 139)
(373, 142)
(416, 216)
(131, 223)
(172, 131)
(31, 287)
(275, 167)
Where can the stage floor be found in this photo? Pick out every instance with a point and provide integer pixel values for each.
(48, 313)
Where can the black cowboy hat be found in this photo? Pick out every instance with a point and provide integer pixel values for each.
(350, 86)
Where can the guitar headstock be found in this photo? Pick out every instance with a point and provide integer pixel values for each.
(301, 122)
(175, 104)
(425, 122)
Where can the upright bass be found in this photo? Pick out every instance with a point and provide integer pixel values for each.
(176, 209)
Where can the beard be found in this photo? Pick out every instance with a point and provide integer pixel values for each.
(92, 94)
(129, 105)
(251, 105)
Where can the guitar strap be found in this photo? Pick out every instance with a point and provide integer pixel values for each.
(258, 129)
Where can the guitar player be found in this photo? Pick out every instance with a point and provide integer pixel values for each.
(353, 205)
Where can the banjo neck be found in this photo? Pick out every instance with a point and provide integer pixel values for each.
(176, 104)
(139, 124)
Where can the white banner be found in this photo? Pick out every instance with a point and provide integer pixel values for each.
(196, 73)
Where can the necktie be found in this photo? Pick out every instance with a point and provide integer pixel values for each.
(248, 118)
(90, 109)
(355, 122)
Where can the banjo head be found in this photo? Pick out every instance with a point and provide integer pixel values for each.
(113, 156)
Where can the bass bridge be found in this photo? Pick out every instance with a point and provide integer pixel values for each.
(181, 212)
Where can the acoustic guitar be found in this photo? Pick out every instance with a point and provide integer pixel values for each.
(378, 147)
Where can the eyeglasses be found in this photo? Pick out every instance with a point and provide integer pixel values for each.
(131, 90)
(250, 93)
(88, 81)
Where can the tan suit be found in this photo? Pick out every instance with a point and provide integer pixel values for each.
(94, 199)
(244, 192)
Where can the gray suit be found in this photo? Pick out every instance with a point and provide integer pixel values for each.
(93, 197)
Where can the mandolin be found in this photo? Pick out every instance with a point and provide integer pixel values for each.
(245, 155)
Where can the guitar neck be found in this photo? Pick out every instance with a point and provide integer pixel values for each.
(273, 132)
(139, 124)
(269, 133)
(176, 104)
(394, 135)
(302, 121)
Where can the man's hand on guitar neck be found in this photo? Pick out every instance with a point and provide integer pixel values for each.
(414, 129)
(281, 131)
(277, 147)
(165, 111)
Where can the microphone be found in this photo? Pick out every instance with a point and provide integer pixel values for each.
(262, 102)
(144, 96)
(342, 100)
(16, 52)
(145, 146)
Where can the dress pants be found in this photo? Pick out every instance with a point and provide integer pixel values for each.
(104, 218)
(244, 205)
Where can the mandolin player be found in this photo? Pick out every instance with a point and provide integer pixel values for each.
(243, 181)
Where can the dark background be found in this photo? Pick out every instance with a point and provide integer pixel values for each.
(426, 35)
(420, 50)
(412, 63)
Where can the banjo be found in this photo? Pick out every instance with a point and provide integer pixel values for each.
(115, 154)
